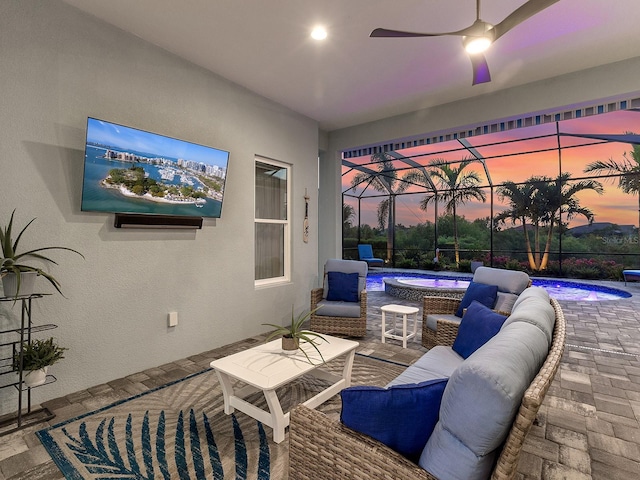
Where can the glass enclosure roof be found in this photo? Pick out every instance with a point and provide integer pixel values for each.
(514, 155)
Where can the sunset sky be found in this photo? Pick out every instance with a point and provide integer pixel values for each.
(507, 162)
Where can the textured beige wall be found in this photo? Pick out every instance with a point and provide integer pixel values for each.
(59, 66)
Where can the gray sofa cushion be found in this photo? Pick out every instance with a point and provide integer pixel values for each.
(338, 309)
(439, 362)
(535, 309)
(537, 292)
(505, 302)
(511, 281)
(462, 465)
(481, 400)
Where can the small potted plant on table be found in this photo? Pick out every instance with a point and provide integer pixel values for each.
(37, 355)
(294, 333)
(15, 274)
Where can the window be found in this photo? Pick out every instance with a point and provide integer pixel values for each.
(272, 236)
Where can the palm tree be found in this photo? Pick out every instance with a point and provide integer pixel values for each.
(348, 213)
(382, 180)
(455, 187)
(421, 177)
(628, 170)
(520, 209)
(559, 196)
(542, 200)
(529, 201)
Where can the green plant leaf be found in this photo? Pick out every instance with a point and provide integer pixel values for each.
(15, 244)
(10, 260)
(311, 341)
(295, 330)
(38, 354)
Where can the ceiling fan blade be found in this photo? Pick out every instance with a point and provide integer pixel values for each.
(386, 33)
(480, 69)
(521, 14)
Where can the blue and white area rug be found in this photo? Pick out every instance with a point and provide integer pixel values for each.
(180, 431)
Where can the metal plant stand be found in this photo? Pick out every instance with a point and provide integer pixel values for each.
(11, 346)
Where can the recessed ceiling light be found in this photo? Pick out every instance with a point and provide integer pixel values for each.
(319, 33)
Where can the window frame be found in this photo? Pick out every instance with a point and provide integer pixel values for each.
(286, 277)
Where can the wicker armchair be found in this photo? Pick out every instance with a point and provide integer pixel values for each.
(447, 328)
(352, 322)
(320, 448)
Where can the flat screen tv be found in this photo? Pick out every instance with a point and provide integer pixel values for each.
(137, 172)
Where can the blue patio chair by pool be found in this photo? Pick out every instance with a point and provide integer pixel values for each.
(631, 275)
(365, 252)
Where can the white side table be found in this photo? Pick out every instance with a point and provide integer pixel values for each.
(405, 312)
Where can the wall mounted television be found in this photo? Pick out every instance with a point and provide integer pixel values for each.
(132, 171)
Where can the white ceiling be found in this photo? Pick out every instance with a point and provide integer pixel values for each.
(348, 79)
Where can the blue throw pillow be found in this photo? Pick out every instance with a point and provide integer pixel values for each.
(485, 294)
(342, 287)
(476, 328)
(402, 416)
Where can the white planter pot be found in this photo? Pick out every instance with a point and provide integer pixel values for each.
(10, 284)
(33, 378)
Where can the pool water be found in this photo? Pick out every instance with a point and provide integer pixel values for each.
(558, 289)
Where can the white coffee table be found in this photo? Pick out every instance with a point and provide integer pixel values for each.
(266, 368)
(404, 311)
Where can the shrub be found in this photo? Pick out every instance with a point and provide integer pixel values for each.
(587, 272)
(465, 266)
(587, 268)
(513, 264)
(402, 262)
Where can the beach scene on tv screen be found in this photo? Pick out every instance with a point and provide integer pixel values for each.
(133, 171)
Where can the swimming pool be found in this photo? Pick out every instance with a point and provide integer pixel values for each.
(558, 289)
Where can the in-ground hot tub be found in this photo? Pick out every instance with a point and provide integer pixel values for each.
(414, 286)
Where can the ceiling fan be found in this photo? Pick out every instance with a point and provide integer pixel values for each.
(480, 35)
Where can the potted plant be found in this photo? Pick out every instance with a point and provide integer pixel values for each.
(14, 273)
(36, 357)
(294, 333)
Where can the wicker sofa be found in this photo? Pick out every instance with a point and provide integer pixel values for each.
(321, 448)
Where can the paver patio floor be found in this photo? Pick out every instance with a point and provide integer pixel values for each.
(588, 426)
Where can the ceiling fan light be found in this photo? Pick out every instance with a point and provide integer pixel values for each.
(476, 44)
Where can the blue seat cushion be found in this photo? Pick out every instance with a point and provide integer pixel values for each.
(485, 294)
(402, 417)
(343, 287)
(477, 327)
